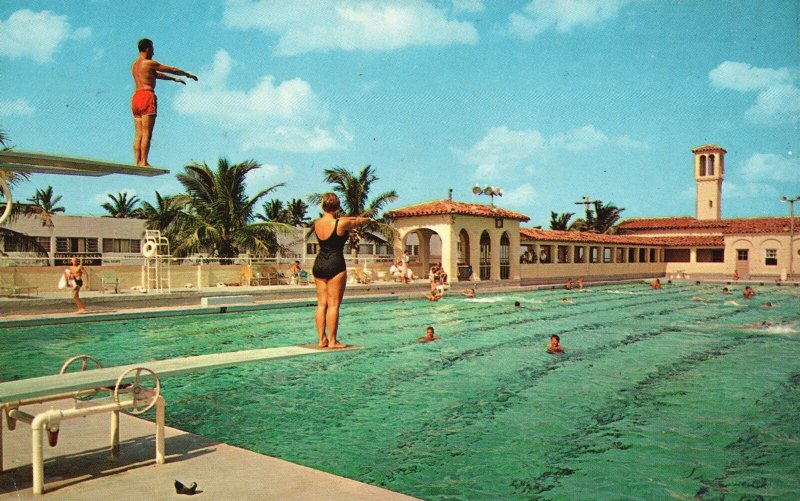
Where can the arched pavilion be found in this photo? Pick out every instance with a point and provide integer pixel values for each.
(481, 238)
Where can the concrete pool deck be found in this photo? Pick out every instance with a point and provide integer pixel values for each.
(81, 467)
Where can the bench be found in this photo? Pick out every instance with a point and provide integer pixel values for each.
(133, 388)
(18, 290)
(222, 300)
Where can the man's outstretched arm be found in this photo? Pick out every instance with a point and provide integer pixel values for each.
(162, 70)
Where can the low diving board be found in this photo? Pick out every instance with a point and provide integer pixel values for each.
(26, 161)
(128, 393)
(26, 389)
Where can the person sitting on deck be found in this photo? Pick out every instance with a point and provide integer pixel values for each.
(568, 285)
(656, 284)
(580, 283)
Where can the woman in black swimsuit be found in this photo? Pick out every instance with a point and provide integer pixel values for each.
(330, 270)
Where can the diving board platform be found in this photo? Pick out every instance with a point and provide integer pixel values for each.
(132, 388)
(27, 161)
(26, 389)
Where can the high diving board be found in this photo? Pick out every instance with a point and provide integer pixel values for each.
(26, 161)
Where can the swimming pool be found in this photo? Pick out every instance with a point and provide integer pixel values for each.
(657, 396)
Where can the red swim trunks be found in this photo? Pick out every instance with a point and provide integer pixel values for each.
(144, 102)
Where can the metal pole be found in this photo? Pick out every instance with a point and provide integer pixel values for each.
(791, 202)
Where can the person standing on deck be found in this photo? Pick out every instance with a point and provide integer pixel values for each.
(76, 274)
(144, 105)
(330, 270)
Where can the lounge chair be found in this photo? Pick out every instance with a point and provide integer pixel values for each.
(10, 290)
(109, 278)
(303, 277)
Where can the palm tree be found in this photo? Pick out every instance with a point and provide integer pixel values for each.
(14, 239)
(165, 216)
(274, 211)
(353, 193)
(219, 215)
(602, 220)
(297, 212)
(560, 221)
(121, 206)
(45, 205)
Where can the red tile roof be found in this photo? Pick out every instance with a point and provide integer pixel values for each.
(528, 234)
(692, 241)
(669, 223)
(585, 237)
(440, 207)
(743, 226)
(708, 147)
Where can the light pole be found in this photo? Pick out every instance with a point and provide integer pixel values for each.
(791, 202)
(492, 191)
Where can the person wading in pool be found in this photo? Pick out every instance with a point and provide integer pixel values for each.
(330, 271)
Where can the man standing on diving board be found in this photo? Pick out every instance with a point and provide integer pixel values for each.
(145, 71)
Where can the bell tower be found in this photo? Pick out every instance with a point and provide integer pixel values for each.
(709, 171)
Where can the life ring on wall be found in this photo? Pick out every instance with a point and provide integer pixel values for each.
(149, 249)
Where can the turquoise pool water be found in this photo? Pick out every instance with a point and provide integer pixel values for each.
(658, 396)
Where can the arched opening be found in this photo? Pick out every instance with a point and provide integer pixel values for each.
(486, 256)
(711, 165)
(505, 257)
(424, 247)
(702, 165)
(464, 262)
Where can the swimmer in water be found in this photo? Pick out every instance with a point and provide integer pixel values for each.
(470, 292)
(517, 305)
(767, 305)
(428, 337)
(565, 300)
(554, 346)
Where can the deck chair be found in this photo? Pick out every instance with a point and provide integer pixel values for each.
(109, 278)
(361, 276)
(303, 277)
(7, 289)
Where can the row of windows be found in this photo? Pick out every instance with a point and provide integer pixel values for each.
(82, 245)
(578, 254)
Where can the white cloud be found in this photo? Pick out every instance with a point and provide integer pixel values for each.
(36, 35)
(778, 98)
(748, 190)
(268, 175)
(19, 107)
(522, 195)
(286, 116)
(763, 167)
(579, 139)
(349, 25)
(562, 15)
(502, 150)
(744, 77)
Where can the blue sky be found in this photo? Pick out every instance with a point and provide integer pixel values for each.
(548, 99)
